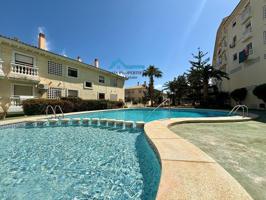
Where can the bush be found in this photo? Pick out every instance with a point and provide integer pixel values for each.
(239, 95)
(260, 92)
(38, 106)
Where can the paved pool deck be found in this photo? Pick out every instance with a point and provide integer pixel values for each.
(187, 172)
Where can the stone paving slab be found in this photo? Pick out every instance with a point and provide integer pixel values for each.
(180, 150)
(198, 181)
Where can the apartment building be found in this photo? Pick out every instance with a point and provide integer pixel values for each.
(136, 93)
(240, 49)
(29, 72)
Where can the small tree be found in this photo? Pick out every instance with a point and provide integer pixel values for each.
(239, 95)
(260, 92)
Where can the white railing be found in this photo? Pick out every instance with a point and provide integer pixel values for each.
(237, 107)
(17, 100)
(23, 69)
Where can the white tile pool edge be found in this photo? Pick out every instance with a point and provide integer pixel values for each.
(186, 171)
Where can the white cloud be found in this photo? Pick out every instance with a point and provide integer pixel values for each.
(42, 29)
(63, 53)
(158, 87)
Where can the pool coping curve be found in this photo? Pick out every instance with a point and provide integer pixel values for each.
(187, 172)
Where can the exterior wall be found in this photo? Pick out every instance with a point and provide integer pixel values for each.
(85, 73)
(135, 93)
(251, 72)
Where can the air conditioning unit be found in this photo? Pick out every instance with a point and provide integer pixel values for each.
(43, 87)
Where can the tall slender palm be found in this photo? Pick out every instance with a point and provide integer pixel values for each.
(152, 72)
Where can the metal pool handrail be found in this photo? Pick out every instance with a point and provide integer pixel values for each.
(156, 108)
(237, 107)
(60, 109)
(53, 110)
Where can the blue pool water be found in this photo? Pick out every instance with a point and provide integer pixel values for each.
(78, 163)
(147, 115)
(84, 162)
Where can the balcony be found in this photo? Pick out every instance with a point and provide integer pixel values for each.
(247, 34)
(246, 14)
(24, 72)
(2, 75)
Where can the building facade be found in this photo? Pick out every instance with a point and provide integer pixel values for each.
(33, 72)
(240, 49)
(136, 93)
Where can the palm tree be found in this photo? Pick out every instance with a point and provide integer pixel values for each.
(152, 72)
(177, 88)
(201, 73)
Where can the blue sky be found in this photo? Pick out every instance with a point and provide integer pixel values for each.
(163, 33)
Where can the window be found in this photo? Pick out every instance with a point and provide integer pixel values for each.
(23, 90)
(234, 24)
(23, 60)
(72, 72)
(72, 93)
(113, 82)
(88, 84)
(101, 79)
(101, 96)
(233, 42)
(264, 37)
(235, 56)
(54, 93)
(249, 49)
(55, 68)
(264, 12)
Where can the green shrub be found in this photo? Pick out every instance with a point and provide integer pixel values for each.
(260, 92)
(239, 95)
(38, 106)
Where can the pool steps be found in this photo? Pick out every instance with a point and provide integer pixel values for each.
(86, 121)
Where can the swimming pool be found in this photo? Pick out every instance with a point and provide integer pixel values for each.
(148, 115)
(77, 162)
(84, 162)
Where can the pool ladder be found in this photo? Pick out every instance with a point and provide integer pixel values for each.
(236, 109)
(57, 107)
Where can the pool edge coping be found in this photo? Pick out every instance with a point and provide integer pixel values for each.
(166, 144)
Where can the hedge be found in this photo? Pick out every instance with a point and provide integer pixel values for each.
(260, 92)
(239, 95)
(38, 106)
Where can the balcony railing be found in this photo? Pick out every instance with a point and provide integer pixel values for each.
(23, 69)
(246, 14)
(247, 34)
(16, 101)
(24, 72)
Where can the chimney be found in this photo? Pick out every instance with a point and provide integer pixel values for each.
(96, 63)
(42, 41)
(79, 59)
(138, 83)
